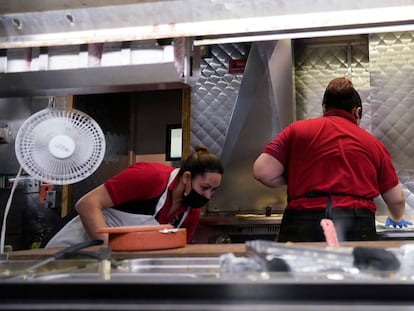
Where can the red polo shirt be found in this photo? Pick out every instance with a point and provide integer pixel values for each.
(145, 181)
(333, 154)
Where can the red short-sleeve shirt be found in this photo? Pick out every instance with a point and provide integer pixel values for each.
(144, 181)
(333, 154)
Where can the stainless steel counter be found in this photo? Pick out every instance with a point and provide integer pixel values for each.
(146, 292)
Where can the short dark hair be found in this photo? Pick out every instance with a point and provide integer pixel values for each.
(341, 94)
(201, 161)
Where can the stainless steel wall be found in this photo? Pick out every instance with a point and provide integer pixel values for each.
(391, 100)
(12, 113)
(28, 215)
(380, 65)
(260, 106)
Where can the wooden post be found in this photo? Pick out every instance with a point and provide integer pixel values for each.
(186, 120)
(67, 190)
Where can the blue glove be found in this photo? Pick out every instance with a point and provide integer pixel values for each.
(401, 224)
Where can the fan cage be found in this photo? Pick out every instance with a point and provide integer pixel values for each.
(32, 146)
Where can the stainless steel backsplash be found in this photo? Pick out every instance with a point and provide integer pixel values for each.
(236, 115)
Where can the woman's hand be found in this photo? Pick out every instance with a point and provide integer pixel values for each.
(389, 222)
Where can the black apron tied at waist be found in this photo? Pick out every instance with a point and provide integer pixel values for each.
(328, 208)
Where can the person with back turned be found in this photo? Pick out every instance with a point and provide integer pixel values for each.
(333, 169)
(145, 193)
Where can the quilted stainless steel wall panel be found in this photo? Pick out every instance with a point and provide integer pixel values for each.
(249, 117)
(317, 61)
(380, 65)
(214, 96)
(392, 101)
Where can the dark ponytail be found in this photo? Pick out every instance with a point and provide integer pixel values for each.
(201, 161)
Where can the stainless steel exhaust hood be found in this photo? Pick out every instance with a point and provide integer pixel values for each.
(47, 23)
(96, 68)
(116, 79)
(34, 33)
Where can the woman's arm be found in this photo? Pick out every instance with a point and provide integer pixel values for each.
(90, 208)
(269, 171)
(394, 198)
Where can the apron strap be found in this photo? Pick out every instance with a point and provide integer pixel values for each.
(328, 208)
(314, 194)
(163, 197)
(184, 217)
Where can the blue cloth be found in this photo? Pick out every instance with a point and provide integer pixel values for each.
(401, 224)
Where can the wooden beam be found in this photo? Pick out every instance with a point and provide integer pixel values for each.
(67, 190)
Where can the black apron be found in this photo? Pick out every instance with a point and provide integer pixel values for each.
(352, 224)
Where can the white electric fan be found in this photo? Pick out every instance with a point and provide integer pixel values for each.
(58, 146)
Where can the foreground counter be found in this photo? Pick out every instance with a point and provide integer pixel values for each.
(191, 250)
(187, 293)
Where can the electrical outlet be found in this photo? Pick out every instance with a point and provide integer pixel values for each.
(31, 186)
(4, 133)
(50, 200)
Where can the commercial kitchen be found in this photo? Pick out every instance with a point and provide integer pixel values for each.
(229, 75)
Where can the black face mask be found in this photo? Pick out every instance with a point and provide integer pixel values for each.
(194, 199)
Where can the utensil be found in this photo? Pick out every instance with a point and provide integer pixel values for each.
(329, 232)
